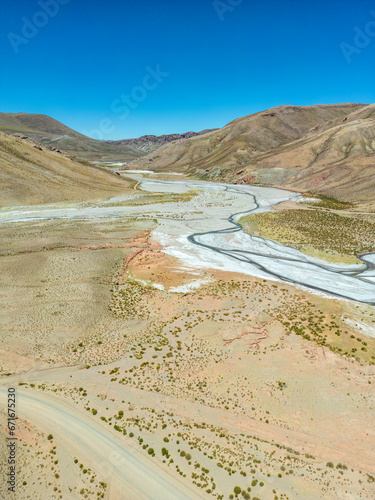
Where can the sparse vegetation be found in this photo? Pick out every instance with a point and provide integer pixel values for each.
(322, 234)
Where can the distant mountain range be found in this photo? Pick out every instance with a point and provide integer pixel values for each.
(44, 161)
(48, 131)
(328, 149)
(149, 143)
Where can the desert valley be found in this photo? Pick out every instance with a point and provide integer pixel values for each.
(191, 316)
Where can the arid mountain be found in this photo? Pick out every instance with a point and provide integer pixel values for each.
(149, 143)
(51, 132)
(324, 148)
(33, 174)
(337, 160)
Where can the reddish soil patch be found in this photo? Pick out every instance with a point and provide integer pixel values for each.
(148, 262)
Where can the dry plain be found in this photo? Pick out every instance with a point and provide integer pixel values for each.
(240, 387)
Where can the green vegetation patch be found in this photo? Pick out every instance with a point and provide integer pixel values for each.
(321, 234)
(328, 202)
(154, 199)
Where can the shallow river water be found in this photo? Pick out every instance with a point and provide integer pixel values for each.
(203, 233)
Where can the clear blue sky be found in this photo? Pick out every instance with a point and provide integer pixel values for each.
(222, 61)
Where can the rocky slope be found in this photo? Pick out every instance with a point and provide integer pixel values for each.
(149, 143)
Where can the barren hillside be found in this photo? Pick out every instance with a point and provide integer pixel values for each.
(32, 174)
(326, 148)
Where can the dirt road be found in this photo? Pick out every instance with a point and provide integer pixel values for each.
(134, 476)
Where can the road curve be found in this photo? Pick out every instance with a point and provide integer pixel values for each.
(137, 476)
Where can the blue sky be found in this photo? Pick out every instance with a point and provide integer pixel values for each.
(87, 62)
